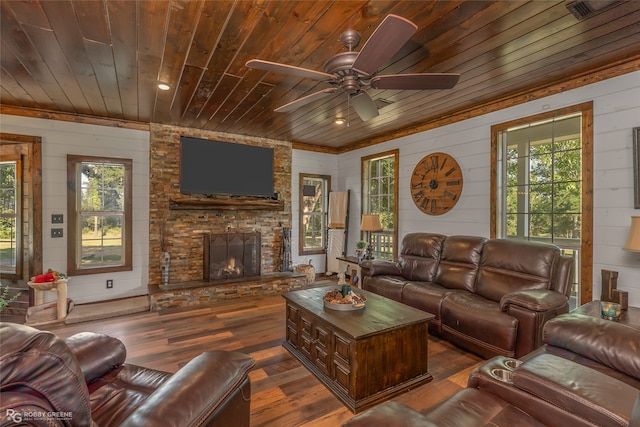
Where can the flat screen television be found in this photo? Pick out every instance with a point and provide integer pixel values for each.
(216, 167)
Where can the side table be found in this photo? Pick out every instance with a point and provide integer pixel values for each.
(629, 317)
(59, 286)
(347, 262)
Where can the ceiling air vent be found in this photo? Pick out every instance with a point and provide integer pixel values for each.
(381, 103)
(583, 9)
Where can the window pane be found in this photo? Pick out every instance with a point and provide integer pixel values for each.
(102, 240)
(540, 168)
(568, 166)
(540, 225)
(313, 212)
(567, 226)
(540, 198)
(8, 217)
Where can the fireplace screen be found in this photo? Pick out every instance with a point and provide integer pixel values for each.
(231, 255)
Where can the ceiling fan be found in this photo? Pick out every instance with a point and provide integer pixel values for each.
(353, 72)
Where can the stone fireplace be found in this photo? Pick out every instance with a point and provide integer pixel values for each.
(179, 228)
(231, 255)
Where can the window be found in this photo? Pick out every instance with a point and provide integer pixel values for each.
(99, 209)
(10, 220)
(379, 195)
(314, 193)
(540, 183)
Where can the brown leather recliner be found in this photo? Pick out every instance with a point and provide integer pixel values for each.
(84, 381)
(586, 374)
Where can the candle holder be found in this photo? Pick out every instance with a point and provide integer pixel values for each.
(609, 310)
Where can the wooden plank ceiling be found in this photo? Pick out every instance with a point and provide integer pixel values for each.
(101, 58)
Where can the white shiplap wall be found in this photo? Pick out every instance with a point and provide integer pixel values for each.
(58, 140)
(309, 163)
(616, 112)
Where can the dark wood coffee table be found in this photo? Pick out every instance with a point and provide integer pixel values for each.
(365, 356)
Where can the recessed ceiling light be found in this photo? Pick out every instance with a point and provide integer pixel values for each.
(163, 86)
(339, 121)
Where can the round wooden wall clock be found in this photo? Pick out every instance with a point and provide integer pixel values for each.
(436, 183)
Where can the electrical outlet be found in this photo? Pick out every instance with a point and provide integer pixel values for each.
(56, 232)
(109, 283)
(57, 219)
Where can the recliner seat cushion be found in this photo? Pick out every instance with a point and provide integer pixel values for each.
(426, 296)
(480, 321)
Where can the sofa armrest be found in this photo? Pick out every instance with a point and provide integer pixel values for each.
(578, 389)
(195, 392)
(609, 343)
(97, 354)
(534, 300)
(378, 267)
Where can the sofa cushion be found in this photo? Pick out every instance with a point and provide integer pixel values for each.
(510, 265)
(479, 321)
(459, 262)
(426, 296)
(387, 286)
(420, 255)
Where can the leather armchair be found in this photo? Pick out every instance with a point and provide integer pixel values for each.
(84, 381)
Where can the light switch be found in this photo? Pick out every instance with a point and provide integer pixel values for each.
(57, 218)
(56, 232)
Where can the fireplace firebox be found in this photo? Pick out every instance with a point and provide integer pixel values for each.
(231, 255)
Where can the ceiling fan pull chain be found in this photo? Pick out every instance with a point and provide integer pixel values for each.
(348, 110)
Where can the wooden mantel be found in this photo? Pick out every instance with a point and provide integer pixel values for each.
(220, 203)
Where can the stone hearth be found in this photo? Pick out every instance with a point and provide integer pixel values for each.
(191, 294)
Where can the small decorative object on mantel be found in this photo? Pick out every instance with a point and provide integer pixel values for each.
(610, 293)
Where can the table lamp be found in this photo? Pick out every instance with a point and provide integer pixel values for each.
(370, 222)
(633, 240)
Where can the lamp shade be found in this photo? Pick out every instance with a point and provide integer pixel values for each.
(633, 241)
(370, 222)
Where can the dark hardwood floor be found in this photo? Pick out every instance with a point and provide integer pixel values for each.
(284, 393)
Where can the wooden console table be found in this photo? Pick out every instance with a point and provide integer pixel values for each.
(355, 353)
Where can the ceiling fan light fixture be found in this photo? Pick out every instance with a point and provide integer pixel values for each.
(339, 121)
(163, 85)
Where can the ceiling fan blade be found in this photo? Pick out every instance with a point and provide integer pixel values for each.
(415, 81)
(305, 100)
(392, 33)
(288, 69)
(364, 106)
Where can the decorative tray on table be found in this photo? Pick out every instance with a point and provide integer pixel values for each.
(334, 300)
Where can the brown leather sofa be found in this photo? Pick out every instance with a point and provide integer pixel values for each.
(490, 296)
(84, 381)
(586, 374)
